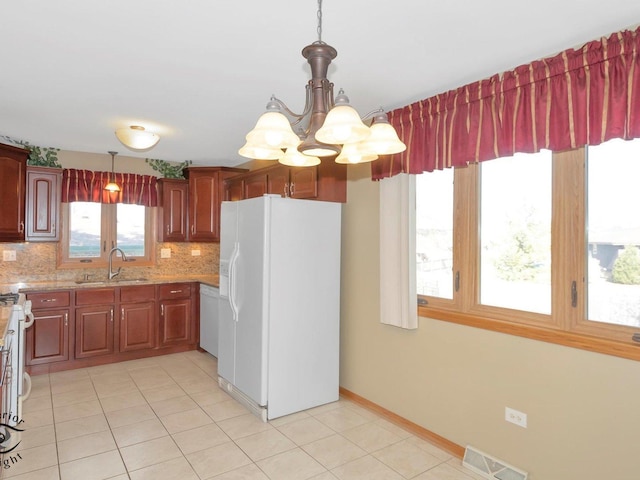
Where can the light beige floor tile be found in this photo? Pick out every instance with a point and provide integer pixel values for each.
(122, 401)
(58, 387)
(365, 468)
(77, 410)
(265, 444)
(197, 384)
(371, 437)
(49, 473)
(430, 448)
(277, 422)
(176, 469)
(38, 418)
(98, 467)
(34, 437)
(324, 476)
(129, 416)
(340, 419)
(200, 438)
(443, 472)
(327, 407)
(219, 459)
(81, 426)
(111, 377)
(84, 394)
(223, 410)
(457, 464)
(124, 476)
(248, 472)
(401, 432)
(40, 381)
(209, 397)
(85, 446)
(333, 451)
(69, 376)
(30, 460)
(306, 430)
(363, 412)
(243, 426)
(292, 465)
(151, 378)
(162, 393)
(111, 390)
(149, 453)
(39, 390)
(406, 458)
(139, 432)
(107, 369)
(187, 420)
(173, 405)
(142, 363)
(38, 403)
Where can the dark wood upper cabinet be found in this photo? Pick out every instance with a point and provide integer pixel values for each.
(173, 211)
(13, 166)
(206, 191)
(43, 204)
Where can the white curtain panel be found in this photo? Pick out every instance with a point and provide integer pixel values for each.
(398, 298)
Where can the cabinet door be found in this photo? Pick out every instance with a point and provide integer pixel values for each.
(43, 204)
(203, 200)
(233, 190)
(13, 165)
(278, 180)
(304, 182)
(175, 322)
(48, 338)
(94, 331)
(137, 326)
(172, 215)
(255, 186)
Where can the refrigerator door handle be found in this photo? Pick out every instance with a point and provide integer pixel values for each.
(232, 281)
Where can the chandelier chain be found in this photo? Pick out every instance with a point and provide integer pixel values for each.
(319, 20)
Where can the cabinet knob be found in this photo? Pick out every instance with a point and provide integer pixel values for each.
(292, 188)
(66, 319)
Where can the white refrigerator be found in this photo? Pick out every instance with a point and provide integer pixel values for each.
(279, 309)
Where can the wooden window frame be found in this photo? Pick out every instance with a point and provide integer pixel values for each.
(108, 236)
(567, 324)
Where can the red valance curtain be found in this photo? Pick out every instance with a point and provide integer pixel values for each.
(578, 97)
(88, 186)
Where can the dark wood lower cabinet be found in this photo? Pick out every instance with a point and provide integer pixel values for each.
(94, 331)
(48, 338)
(105, 325)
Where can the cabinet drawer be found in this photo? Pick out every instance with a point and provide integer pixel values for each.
(175, 290)
(95, 296)
(138, 293)
(49, 299)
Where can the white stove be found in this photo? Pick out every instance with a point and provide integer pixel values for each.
(16, 382)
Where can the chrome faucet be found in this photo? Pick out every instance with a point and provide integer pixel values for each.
(124, 259)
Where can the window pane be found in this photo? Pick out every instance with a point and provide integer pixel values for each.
(130, 229)
(434, 233)
(84, 229)
(613, 259)
(515, 232)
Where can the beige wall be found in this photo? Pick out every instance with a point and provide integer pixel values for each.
(583, 408)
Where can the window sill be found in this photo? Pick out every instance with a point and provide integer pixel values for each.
(628, 350)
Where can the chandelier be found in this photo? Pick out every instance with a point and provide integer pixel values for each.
(326, 127)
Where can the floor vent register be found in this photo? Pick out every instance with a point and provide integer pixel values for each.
(490, 467)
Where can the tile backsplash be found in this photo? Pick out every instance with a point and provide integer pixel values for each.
(37, 262)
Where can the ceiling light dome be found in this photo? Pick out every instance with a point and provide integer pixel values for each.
(136, 137)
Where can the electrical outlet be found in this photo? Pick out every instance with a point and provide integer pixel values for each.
(8, 255)
(515, 417)
(195, 253)
(165, 253)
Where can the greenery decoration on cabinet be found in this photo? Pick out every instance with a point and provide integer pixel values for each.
(166, 169)
(38, 156)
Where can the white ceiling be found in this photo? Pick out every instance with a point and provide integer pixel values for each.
(200, 72)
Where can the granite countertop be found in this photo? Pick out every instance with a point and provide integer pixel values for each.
(30, 286)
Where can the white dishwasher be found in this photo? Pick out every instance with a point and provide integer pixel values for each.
(209, 318)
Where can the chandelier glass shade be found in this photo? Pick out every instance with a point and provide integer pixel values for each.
(326, 127)
(137, 138)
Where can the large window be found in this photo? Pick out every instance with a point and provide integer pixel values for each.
(535, 244)
(92, 229)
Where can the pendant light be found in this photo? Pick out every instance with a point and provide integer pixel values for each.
(112, 186)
